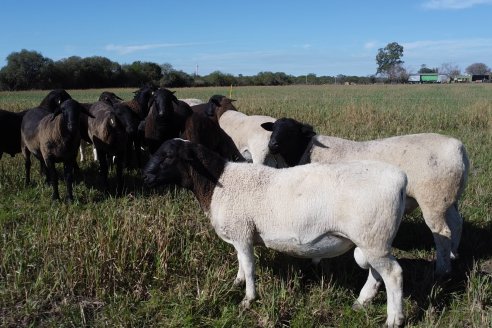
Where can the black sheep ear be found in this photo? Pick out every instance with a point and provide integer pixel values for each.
(267, 126)
(307, 131)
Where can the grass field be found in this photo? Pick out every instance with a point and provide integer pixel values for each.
(151, 258)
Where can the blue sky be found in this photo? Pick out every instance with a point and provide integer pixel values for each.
(324, 37)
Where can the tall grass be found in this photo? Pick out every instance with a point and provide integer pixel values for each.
(150, 258)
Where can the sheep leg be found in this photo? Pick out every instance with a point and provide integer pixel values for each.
(441, 232)
(68, 169)
(53, 178)
(455, 223)
(103, 169)
(240, 278)
(390, 271)
(369, 290)
(247, 263)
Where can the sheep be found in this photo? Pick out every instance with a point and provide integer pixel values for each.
(10, 123)
(166, 119)
(109, 136)
(309, 211)
(245, 131)
(52, 138)
(436, 166)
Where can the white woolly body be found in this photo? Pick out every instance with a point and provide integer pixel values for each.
(192, 101)
(436, 167)
(249, 137)
(434, 163)
(312, 211)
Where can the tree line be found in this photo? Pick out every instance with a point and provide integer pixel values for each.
(26, 70)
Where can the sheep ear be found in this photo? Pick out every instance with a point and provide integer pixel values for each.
(307, 131)
(267, 126)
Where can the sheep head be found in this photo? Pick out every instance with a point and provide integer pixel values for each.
(289, 138)
(71, 110)
(54, 99)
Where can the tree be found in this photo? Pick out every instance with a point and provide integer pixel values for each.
(424, 69)
(478, 69)
(389, 60)
(27, 70)
(450, 70)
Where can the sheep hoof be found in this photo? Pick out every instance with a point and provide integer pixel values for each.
(357, 306)
(245, 304)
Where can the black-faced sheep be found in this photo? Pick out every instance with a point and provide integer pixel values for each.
(436, 166)
(310, 211)
(53, 137)
(109, 136)
(166, 119)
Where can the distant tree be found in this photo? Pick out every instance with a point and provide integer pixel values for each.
(450, 70)
(478, 69)
(218, 78)
(140, 73)
(176, 79)
(27, 70)
(424, 69)
(389, 60)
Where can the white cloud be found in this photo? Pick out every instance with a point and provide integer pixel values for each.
(453, 4)
(370, 45)
(124, 50)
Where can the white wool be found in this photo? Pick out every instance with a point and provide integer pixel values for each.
(436, 167)
(249, 137)
(315, 211)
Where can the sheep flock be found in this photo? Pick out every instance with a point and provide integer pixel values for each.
(261, 181)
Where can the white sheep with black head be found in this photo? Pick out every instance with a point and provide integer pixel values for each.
(436, 166)
(311, 211)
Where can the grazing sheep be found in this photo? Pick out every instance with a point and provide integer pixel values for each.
(166, 119)
(53, 137)
(436, 166)
(245, 131)
(109, 136)
(311, 211)
(10, 124)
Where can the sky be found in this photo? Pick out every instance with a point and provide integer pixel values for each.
(322, 37)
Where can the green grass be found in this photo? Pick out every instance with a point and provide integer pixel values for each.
(151, 258)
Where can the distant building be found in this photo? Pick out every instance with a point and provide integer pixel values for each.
(480, 78)
(462, 79)
(428, 78)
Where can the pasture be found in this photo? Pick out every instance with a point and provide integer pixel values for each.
(151, 258)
